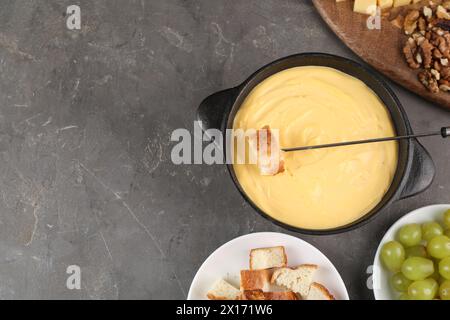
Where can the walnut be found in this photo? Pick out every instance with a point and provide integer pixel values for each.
(426, 49)
(439, 32)
(422, 25)
(437, 65)
(443, 46)
(446, 36)
(437, 54)
(442, 13)
(444, 85)
(445, 73)
(411, 20)
(435, 74)
(427, 12)
(419, 38)
(411, 55)
(434, 39)
(427, 79)
(436, 35)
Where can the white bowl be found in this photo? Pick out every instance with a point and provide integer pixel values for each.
(381, 286)
(227, 262)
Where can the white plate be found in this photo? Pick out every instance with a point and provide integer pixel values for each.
(227, 262)
(382, 288)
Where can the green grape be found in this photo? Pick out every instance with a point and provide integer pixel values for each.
(431, 230)
(404, 296)
(393, 255)
(416, 251)
(444, 290)
(423, 289)
(447, 233)
(439, 247)
(417, 268)
(444, 268)
(399, 282)
(447, 219)
(410, 235)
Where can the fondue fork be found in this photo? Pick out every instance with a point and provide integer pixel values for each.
(444, 133)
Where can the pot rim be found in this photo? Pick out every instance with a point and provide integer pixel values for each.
(371, 215)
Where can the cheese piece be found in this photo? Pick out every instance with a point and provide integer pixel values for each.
(385, 4)
(365, 7)
(399, 3)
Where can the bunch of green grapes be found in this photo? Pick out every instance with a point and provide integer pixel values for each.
(420, 260)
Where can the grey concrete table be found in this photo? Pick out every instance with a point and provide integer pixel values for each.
(85, 120)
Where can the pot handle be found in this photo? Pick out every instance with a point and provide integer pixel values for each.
(212, 111)
(422, 173)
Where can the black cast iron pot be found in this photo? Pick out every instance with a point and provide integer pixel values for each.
(415, 171)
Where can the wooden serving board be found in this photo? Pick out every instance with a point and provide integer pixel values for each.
(381, 48)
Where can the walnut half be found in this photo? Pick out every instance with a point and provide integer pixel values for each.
(411, 19)
(429, 81)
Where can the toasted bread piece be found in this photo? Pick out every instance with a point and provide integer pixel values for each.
(288, 295)
(265, 148)
(266, 258)
(252, 295)
(222, 290)
(256, 280)
(319, 292)
(260, 295)
(297, 279)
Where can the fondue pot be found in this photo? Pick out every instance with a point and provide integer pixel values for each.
(415, 170)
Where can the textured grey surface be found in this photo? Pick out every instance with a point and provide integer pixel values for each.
(85, 121)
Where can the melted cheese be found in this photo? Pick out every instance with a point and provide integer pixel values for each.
(326, 188)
